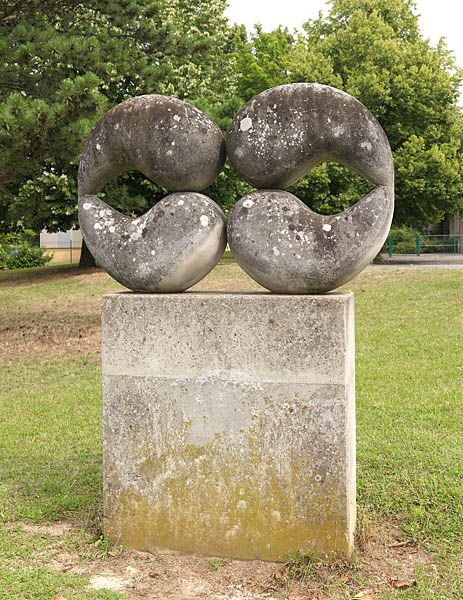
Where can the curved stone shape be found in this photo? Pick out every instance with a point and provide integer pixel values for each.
(279, 135)
(288, 248)
(276, 139)
(170, 142)
(168, 249)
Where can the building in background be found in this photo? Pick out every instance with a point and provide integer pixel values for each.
(64, 246)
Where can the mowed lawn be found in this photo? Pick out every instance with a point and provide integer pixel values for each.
(409, 349)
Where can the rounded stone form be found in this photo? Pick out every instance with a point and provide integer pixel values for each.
(289, 249)
(279, 135)
(170, 142)
(168, 249)
(276, 139)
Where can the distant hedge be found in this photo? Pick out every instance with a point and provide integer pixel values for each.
(21, 250)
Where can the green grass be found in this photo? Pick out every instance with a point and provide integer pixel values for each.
(409, 409)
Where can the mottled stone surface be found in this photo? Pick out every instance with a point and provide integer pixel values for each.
(176, 243)
(169, 141)
(279, 135)
(168, 249)
(288, 248)
(274, 140)
(229, 424)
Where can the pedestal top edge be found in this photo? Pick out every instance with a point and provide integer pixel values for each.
(330, 296)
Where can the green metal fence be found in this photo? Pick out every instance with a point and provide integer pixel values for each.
(426, 244)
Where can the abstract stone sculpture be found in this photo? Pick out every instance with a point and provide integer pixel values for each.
(273, 141)
(177, 242)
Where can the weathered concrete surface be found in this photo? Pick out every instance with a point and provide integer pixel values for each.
(288, 248)
(177, 242)
(169, 141)
(273, 141)
(168, 249)
(229, 425)
(283, 132)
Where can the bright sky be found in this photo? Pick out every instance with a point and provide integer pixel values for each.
(439, 18)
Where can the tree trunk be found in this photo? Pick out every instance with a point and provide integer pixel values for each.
(86, 257)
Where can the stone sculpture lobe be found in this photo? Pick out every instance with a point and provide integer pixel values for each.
(282, 133)
(289, 249)
(170, 142)
(177, 242)
(273, 141)
(168, 249)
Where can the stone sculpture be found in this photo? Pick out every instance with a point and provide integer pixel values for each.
(273, 141)
(178, 241)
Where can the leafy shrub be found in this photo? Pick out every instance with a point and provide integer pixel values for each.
(403, 240)
(18, 237)
(21, 255)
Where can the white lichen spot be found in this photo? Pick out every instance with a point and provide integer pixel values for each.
(173, 143)
(97, 226)
(326, 227)
(98, 146)
(338, 131)
(204, 220)
(276, 515)
(112, 229)
(276, 252)
(241, 505)
(248, 203)
(116, 126)
(169, 153)
(180, 202)
(246, 124)
(176, 117)
(87, 206)
(153, 252)
(136, 235)
(367, 146)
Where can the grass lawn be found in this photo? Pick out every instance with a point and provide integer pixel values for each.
(410, 442)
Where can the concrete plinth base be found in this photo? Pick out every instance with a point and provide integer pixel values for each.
(229, 423)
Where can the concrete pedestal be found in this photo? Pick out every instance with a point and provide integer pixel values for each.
(229, 423)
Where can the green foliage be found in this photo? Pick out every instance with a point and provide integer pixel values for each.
(21, 255)
(403, 234)
(374, 50)
(65, 63)
(20, 249)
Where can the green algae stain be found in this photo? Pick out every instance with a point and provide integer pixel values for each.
(215, 500)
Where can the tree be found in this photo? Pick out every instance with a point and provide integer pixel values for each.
(67, 62)
(374, 50)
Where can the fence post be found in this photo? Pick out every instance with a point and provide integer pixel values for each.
(455, 244)
(389, 246)
(70, 250)
(418, 245)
